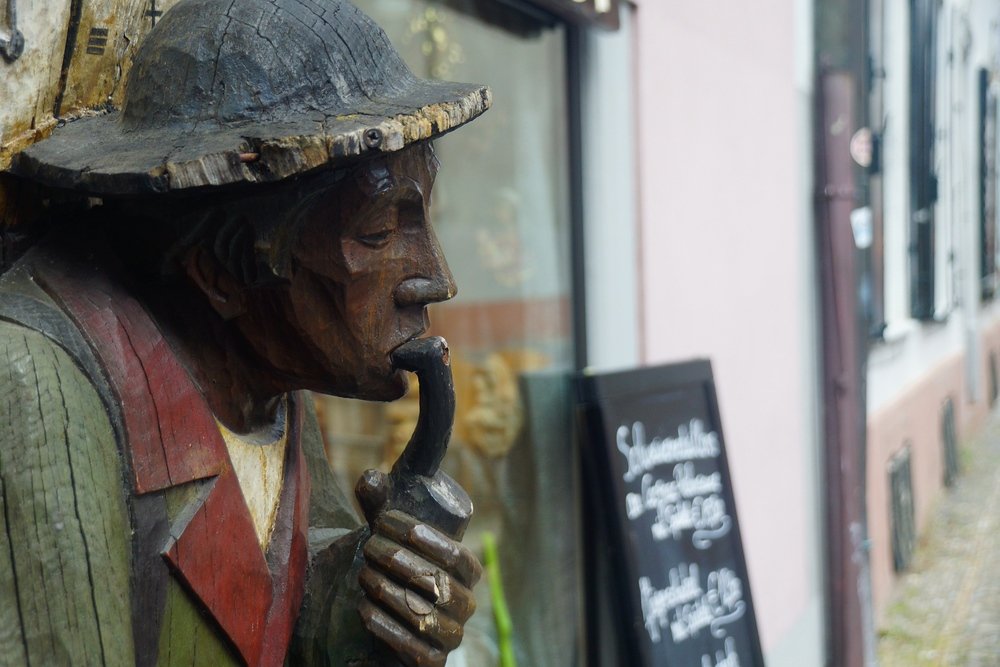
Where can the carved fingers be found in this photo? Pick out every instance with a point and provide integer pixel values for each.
(418, 584)
(413, 613)
(412, 651)
(438, 587)
(432, 544)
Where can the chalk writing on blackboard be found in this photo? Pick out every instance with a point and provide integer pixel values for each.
(689, 501)
(728, 657)
(686, 607)
(692, 442)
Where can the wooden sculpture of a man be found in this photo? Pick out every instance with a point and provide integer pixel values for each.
(258, 225)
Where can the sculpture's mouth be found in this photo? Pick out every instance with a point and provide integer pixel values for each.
(417, 335)
(417, 353)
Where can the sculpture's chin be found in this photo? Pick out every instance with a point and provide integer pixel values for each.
(384, 387)
(400, 385)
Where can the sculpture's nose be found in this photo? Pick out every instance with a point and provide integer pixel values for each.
(421, 291)
(435, 282)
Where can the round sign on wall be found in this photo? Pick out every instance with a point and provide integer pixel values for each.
(861, 147)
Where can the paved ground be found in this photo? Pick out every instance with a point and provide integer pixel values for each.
(946, 610)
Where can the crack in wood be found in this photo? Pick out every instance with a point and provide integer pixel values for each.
(75, 16)
(76, 511)
(13, 565)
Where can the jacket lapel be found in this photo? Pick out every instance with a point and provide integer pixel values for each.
(217, 557)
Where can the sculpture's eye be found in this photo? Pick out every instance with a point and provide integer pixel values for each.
(411, 214)
(376, 240)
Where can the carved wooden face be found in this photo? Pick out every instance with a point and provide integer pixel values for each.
(366, 264)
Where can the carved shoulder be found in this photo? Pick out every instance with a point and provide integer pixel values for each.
(329, 506)
(64, 531)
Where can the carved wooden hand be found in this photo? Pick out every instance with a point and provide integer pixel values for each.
(418, 584)
(417, 577)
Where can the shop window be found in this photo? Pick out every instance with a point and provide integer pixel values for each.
(923, 177)
(501, 209)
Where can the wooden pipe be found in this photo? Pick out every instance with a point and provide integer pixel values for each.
(417, 486)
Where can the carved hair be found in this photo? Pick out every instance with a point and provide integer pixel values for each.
(252, 235)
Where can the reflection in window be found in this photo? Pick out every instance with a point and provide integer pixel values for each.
(501, 212)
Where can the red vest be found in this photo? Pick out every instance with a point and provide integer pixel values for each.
(170, 439)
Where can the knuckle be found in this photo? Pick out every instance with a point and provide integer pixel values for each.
(431, 658)
(372, 583)
(452, 637)
(474, 568)
(401, 516)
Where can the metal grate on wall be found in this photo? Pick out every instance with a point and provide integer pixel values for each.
(949, 442)
(901, 508)
(994, 383)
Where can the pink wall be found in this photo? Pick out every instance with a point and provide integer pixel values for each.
(726, 262)
(915, 418)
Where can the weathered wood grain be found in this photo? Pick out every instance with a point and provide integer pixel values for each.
(259, 464)
(30, 84)
(95, 41)
(76, 58)
(108, 34)
(65, 537)
(150, 576)
(148, 378)
(188, 637)
(12, 640)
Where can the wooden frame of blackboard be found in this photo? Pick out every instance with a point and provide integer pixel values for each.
(607, 512)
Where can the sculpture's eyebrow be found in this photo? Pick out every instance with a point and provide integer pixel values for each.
(399, 189)
(398, 193)
(407, 190)
(432, 160)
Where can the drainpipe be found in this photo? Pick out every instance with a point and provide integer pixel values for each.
(844, 344)
(842, 84)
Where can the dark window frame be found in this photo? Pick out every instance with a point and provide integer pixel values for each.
(987, 136)
(922, 135)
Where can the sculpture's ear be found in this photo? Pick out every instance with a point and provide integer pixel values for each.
(226, 295)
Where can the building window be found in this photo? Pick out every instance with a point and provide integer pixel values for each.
(923, 177)
(987, 186)
(874, 285)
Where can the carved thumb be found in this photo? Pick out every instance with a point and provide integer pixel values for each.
(372, 491)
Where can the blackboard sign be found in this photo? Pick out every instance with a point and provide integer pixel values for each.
(654, 445)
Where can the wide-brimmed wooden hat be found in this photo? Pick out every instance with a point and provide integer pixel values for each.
(225, 92)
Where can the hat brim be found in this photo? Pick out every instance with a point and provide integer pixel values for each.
(95, 155)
